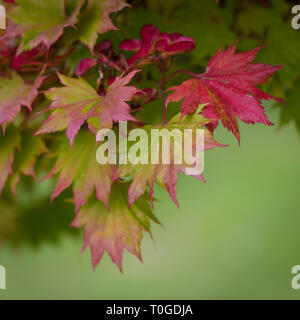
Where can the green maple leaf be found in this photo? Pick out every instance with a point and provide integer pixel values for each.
(26, 157)
(95, 20)
(281, 40)
(8, 143)
(41, 21)
(79, 167)
(115, 230)
(264, 17)
(19, 152)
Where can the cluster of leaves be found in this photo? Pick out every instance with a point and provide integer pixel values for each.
(61, 80)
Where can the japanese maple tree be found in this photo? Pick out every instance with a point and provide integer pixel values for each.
(62, 80)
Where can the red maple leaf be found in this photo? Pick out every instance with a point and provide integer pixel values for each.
(229, 87)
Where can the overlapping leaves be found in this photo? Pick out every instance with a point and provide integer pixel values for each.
(19, 154)
(144, 175)
(115, 213)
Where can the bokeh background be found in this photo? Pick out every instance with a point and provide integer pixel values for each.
(236, 237)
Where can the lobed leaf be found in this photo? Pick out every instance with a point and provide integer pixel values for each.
(78, 102)
(8, 143)
(14, 93)
(25, 158)
(41, 21)
(115, 230)
(95, 20)
(144, 175)
(78, 167)
(228, 86)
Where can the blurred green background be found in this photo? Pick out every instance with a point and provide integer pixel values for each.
(237, 237)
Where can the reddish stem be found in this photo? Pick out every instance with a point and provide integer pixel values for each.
(182, 71)
(162, 91)
(162, 86)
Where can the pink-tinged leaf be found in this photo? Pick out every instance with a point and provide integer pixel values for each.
(182, 46)
(130, 45)
(229, 88)
(111, 80)
(108, 7)
(150, 33)
(144, 175)
(38, 23)
(78, 102)
(7, 49)
(175, 36)
(153, 40)
(84, 65)
(78, 167)
(162, 45)
(8, 143)
(14, 93)
(29, 58)
(115, 230)
(103, 46)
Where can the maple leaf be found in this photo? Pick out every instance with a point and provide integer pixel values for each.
(229, 87)
(41, 22)
(19, 152)
(115, 230)
(166, 174)
(78, 101)
(14, 93)
(25, 158)
(95, 19)
(8, 143)
(78, 167)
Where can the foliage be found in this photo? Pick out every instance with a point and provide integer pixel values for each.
(75, 70)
